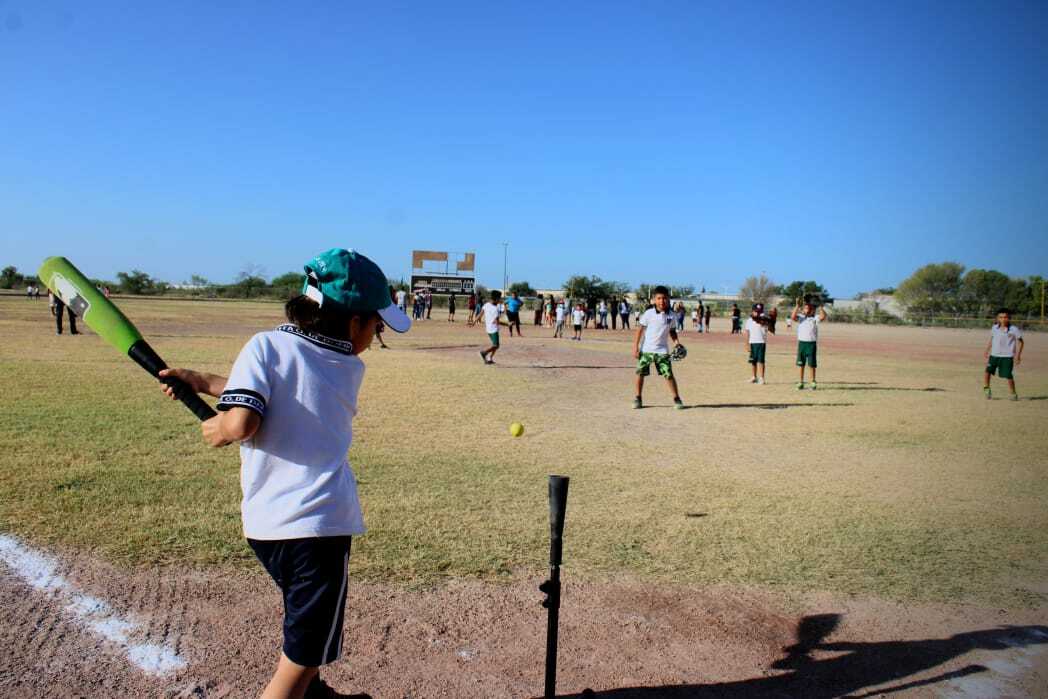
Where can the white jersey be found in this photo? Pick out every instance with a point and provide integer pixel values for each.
(657, 328)
(577, 317)
(294, 474)
(491, 317)
(758, 333)
(1003, 342)
(402, 298)
(807, 328)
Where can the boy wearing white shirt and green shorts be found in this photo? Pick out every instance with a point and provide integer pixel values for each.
(756, 333)
(289, 402)
(491, 312)
(1004, 352)
(807, 337)
(655, 327)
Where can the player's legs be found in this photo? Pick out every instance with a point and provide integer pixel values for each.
(986, 380)
(289, 681)
(761, 365)
(671, 382)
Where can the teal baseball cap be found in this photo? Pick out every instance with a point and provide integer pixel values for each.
(353, 282)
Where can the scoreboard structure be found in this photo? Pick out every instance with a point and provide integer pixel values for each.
(433, 271)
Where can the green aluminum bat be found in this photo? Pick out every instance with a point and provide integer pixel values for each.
(102, 316)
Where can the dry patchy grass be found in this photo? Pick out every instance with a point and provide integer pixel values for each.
(896, 478)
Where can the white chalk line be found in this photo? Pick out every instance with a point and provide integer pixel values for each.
(92, 613)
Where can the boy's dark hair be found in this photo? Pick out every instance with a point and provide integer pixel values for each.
(660, 290)
(496, 295)
(328, 320)
(1003, 310)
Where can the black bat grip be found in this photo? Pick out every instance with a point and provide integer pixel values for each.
(147, 358)
(558, 505)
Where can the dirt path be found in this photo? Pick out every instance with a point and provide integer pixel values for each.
(473, 639)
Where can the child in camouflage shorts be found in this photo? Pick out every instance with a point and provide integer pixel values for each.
(656, 326)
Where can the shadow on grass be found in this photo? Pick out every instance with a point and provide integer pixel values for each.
(758, 406)
(884, 388)
(1035, 398)
(855, 666)
(568, 366)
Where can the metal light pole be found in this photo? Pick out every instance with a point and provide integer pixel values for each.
(505, 268)
(1042, 301)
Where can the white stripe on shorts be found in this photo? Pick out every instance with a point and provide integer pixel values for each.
(334, 621)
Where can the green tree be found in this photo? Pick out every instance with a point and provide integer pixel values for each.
(932, 289)
(757, 289)
(800, 289)
(521, 288)
(398, 284)
(288, 285)
(682, 292)
(136, 282)
(985, 290)
(247, 288)
(10, 278)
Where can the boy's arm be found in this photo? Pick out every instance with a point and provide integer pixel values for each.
(636, 341)
(822, 314)
(796, 310)
(200, 382)
(1019, 354)
(989, 345)
(233, 425)
(673, 336)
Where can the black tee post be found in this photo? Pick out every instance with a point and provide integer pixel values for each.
(558, 503)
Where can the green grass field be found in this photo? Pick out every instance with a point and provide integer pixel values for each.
(896, 479)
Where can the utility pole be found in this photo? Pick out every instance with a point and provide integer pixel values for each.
(505, 268)
(1042, 301)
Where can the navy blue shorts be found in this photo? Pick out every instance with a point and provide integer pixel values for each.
(312, 574)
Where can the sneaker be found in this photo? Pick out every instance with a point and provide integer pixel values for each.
(814, 385)
(760, 381)
(484, 356)
(637, 404)
(678, 404)
(1015, 396)
(800, 386)
(986, 391)
(752, 380)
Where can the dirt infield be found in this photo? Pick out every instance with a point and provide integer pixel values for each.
(473, 639)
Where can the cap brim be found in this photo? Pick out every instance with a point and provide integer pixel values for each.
(395, 319)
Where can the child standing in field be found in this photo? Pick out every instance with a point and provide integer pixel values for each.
(756, 334)
(490, 313)
(289, 401)
(558, 330)
(655, 327)
(1004, 352)
(578, 317)
(706, 325)
(807, 337)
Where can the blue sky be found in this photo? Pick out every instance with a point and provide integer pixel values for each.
(680, 142)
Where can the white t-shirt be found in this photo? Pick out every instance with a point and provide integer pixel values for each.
(402, 297)
(491, 317)
(1003, 341)
(657, 328)
(602, 308)
(807, 328)
(560, 313)
(758, 333)
(623, 308)
(294, 473)
(577, 317)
